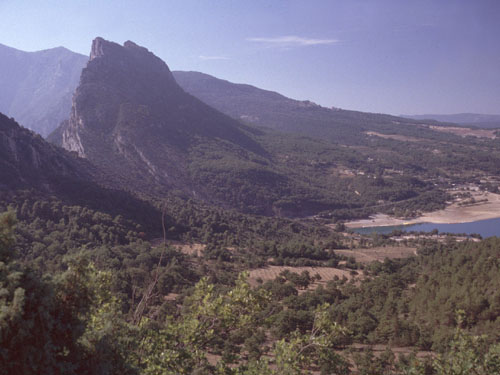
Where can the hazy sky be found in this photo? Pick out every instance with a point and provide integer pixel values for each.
(391, 56)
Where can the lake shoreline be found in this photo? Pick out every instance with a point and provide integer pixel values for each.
(453, 214)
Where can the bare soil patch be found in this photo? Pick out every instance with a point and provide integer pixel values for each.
(488, 207)
(191, 249)
(464, 132)
(378, 253)
(185, 248)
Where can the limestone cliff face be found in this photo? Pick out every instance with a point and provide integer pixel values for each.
(70, 136)
(130, 117)
(114, 76)
(118, 84)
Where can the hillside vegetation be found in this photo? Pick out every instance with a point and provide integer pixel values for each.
(97, 317)
(170, 237)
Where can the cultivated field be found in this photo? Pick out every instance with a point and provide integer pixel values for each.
(378, 253)
(326, 273)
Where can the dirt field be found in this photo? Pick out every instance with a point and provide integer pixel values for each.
(189, 249)
(378, 253)
(396, 137)
(488, 208)
(271, 272)
(464, 132)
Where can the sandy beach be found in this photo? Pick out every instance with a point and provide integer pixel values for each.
(453, 214)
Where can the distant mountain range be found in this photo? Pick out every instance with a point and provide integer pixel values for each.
(469, 119)
(38, 89)
(141, 128)
(273, 110)
(37, 86)
(131, 119)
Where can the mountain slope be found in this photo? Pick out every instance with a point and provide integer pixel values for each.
(33, 169)
(26, 160)
(131, 118)
(273, 110)
(384, 145)
(37, 86)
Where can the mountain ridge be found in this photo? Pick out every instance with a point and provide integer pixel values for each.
(129, 114)
(38, 89)
(273, 110)
(468, 119)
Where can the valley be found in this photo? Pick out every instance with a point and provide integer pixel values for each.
(177, 223)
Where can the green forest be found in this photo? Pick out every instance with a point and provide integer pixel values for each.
(156, 235)
(83, 291)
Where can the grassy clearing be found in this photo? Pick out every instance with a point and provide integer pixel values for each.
(378, 253)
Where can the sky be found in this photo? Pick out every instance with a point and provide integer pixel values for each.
(385, 56)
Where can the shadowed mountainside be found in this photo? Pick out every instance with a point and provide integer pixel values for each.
(131, 118)
(32, 167)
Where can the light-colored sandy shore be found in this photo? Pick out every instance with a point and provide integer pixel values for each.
(452, 214)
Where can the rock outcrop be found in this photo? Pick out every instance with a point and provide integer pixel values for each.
(130, 117)
(28, 161)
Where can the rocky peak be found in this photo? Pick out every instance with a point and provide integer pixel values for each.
(129, 114)
(114, 53)
(101, 47)
(129, 44)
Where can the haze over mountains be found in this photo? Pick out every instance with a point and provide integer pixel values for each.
(158, 185)
(37, 86)
(134, 122)
(469, 119)
(37, 92)
(273, 110)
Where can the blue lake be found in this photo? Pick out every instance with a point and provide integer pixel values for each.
(486, 228)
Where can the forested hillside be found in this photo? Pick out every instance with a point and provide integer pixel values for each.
(166, 236)
(118, 296)
(270, 109)
(132, 120)
(108, 309)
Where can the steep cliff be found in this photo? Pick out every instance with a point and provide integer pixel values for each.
(131, 118)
